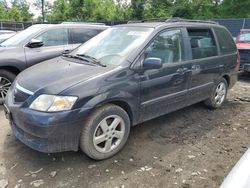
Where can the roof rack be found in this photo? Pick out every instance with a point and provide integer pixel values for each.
(172, 19)
(89, 23)
(176, 19)
(148, 20)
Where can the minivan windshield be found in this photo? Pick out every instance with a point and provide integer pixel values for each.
(244, 37)
(113, 46)
(19, 37)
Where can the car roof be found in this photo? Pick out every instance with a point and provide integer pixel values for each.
(71, 25)
(171, 23)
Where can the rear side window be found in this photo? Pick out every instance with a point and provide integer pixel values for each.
(202, 43)
(226, 42)
(81, 35)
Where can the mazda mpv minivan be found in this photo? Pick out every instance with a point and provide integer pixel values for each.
(126, 75)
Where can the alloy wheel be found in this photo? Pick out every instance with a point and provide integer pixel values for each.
(220, 93)
(4, 87)
(109, 134)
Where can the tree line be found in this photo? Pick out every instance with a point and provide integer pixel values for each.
(96, 10)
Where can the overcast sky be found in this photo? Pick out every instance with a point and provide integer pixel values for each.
(33, 9)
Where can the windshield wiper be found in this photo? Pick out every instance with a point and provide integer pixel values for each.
(76, 57)
(91, 59)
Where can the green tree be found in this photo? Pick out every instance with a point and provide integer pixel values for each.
(158, 8)
(3, 11)
(19, 11)
(60, 11)
(234, 8)
(137, 9)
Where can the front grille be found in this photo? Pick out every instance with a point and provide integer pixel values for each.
(19, 95)
(244, 55)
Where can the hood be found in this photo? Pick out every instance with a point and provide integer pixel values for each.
(58, 74)
(243, 45)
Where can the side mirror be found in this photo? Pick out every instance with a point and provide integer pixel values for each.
(152, 63)
(34, 43)
(66, 52)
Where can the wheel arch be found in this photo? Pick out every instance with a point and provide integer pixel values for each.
(227, 78)
(123, 104)
(11, 69)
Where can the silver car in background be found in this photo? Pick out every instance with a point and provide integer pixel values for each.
(39, 43)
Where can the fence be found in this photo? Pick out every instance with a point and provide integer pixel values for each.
(233, 25)
(15, 26)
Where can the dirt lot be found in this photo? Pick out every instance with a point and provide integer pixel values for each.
(194, 147)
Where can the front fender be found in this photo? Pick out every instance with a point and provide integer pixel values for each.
(115, 97)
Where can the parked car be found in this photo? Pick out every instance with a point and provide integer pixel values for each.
(4, 37)
(239, 176)
(243, 45)
(6, 32)
(39, 43)
(126, 75)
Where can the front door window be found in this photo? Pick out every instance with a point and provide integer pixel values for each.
(55, 37)
(168, 46)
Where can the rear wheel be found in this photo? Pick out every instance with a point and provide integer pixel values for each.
(6, 79)
(218, 95)
(105, 132)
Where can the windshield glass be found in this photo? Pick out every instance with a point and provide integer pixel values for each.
(244, 37)
(113, 45)
(19, 37)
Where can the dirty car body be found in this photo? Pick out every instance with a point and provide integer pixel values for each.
(132, 73)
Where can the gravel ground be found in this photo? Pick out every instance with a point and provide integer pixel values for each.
(193, 147)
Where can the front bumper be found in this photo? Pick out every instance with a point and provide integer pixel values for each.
(46, 132)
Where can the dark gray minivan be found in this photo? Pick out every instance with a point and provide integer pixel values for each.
(126, 75)
(39, 43)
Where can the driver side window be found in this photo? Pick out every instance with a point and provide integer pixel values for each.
(168, 46)
(55, 37)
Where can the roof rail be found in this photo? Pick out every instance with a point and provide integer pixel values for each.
(176, 19)
(148, 20)
(172, 19)
(89, 23)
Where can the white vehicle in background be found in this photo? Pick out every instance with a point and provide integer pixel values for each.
(6, 36)
(239, 177)
(6, 32)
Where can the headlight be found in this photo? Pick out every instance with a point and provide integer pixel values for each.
(53, 103)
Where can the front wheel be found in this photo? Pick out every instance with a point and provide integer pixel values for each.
(6, 79)
(218, 95)
(105, 132)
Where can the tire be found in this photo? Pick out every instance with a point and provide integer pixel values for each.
(218, 95)
(6, 79)
(112, 138)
